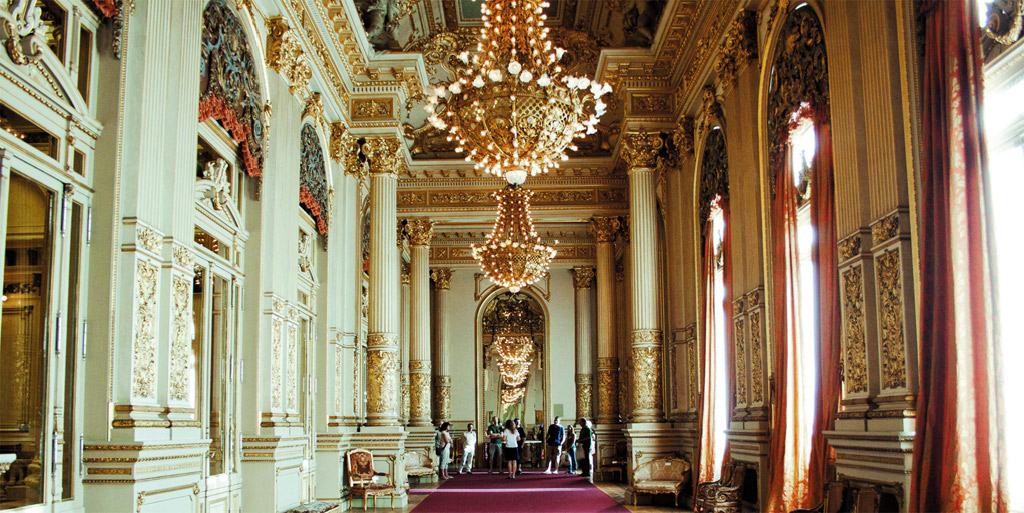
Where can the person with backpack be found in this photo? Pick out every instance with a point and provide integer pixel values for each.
(443, 447)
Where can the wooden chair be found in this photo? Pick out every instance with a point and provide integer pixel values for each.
(614, 459)
(723, 495)
(361, 478)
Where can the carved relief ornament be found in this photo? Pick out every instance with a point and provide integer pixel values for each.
(144, 350)
(384, 155)
(647, 367)
(739, 48)
(381, 374)
(420, 231)
(712, 114)
(605, 229)
(855, 362)
(890, 320)
(682, 136)
(345, 150)
(442, 277)
(581, 277)
(640, 149)
(286, 56)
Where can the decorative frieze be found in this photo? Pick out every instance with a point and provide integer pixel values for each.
(371, 109)
(855, 373)
(890, 319)
(144, 347)
(885, 229)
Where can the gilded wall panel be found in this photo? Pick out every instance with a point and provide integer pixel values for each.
(890, 319)
(293, 367)
(144, 350)
(756, 363)
(338, 359)
(855, 355)
(181, 343)
(741, 361)
(276, 348)
(381, 371)
(647, 392)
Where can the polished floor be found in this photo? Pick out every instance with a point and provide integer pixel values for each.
(617, 491)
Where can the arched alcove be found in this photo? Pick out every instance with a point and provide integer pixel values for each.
(513, 320)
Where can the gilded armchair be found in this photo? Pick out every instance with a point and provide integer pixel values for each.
(662, 475)
(723, 495)
(362, 478)
(419, 464)
(613, 459)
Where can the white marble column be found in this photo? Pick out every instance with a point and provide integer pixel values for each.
(384, 156)
(581, 279)
(640, 152)
(605, 230)
(442, 376)
(420, 232)
(405, 334)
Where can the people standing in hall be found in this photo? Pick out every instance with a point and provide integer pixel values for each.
(587, 443)
(555, 438)
(522, 443)
(468, 449)
(494, 445)
(511, 438)
(443, 448)
(570, 448)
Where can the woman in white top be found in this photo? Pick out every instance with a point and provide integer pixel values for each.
(511, 439)
(468, 449)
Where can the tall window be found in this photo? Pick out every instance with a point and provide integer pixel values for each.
(804, 360)
(1004, 131)
(717, 337)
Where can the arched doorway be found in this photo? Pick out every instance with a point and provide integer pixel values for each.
(513, 330)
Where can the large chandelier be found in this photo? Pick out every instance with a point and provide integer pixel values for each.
(513, 255)
(516, 356)
(511, 108)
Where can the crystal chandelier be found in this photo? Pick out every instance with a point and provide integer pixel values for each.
(516, 353)
(511, 107)
(513, 255)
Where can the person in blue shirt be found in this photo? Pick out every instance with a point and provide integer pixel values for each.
(555, 439)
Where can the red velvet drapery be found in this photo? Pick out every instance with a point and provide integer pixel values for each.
(959, 459)
(796, 481)
(707, 409)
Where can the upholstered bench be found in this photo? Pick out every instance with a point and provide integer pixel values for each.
(662, 475)
(419, 464)
(315, 507)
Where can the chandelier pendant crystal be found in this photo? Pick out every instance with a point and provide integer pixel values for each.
(513, 255)
(511, 107)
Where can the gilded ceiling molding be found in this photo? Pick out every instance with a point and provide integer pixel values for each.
(739, 48)
(640, 149)
(286, 56)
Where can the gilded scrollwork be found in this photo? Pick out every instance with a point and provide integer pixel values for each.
(149, 239)
(286, 56)
(420, 231)
(379, 340)
(276, 347)
(849, 247)
(605, 229)
(647, 377)
(855, 362)
(885, 229)
(442, 277)
(144, 350)
(581, 277)
(419, 393)
(739, 48)
(181, 343)
(384, 155)
(345, 149)
(443, 395)
(682, 136)
(584, 394)
(382, 382)
(314, 191)
(293, 367)
(712, 114)
(756, 366)
(646, 337)
(608, 389)
(714, 174)
(741, 360)
(640, 149)
(890, 293)
(691, 365)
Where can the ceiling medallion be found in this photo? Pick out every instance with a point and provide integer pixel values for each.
(512, 108)
(513, 255)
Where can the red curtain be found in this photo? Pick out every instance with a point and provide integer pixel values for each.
(959, 458)
(707, 409)
(823, 217)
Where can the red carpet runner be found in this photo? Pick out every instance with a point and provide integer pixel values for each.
(531, 492)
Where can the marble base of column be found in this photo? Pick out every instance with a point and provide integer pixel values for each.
(382, 380)
(608, 390)
(647, 360)
(648, 441)
(419, 393)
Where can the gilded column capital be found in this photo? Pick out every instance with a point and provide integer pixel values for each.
(420, 231)
(442, 277)
(739, 47)
(581, 277)
(286, 56)
(682, 136)
(605, 229)
(344, 149)
(384, 155)
(640, 150)
(314, 107)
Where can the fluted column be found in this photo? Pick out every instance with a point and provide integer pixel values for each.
(384, 156)
(405, 334)
(640, 152)
(605, 229)
(581, 278)
(442, 377)
(420, 232)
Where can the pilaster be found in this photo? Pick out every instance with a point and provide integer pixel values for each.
(420, 232)
(442, 376)
(605, 230)
(406, 294)
(581, 280)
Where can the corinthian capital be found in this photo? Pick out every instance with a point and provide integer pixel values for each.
(384, 155)
(582, 276)
(285, 55)
(442, 278)
(345, 149)
(420, 231)
(683, 136)
(641, 149)
(605, 228)
(739, 48)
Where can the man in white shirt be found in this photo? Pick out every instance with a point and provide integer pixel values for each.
(468, 449)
